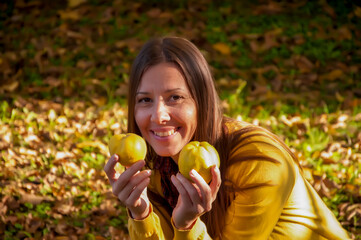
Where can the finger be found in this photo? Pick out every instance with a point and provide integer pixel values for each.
(204, 189)
(191, 189)
(216, 181)
(181, 190)
(129, 178)
(138, 190)
(109, 168)
(132, 170)
(125, 189)
(124, 178)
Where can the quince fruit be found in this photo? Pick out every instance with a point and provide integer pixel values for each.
(200, 156)
(129, 147)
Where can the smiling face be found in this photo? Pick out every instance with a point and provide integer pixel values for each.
(165, 111)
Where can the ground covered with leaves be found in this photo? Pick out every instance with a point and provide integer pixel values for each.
(290, 66)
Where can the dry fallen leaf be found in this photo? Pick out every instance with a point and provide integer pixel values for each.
(69, 15)
(32, 198)
(357, 12)
(222, 48)
(9, 87)
(333, 75)
(75, 3)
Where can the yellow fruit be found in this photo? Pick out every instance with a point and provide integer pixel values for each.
(200, 156)
(129, 147)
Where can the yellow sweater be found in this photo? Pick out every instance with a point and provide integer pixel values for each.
(276, 202)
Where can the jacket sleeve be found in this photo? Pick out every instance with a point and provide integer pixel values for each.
(148, 228)
(264, 174)
(159, 225)
(198, 231)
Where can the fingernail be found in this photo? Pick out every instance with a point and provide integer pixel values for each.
(192, 172)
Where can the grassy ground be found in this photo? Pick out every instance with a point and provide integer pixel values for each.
(292, 67)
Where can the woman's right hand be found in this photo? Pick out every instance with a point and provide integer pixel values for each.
(130, 187)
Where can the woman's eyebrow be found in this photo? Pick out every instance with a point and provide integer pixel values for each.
(174, 90)
(143, 93)
(166, 91)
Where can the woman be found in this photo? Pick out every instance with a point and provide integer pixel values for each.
(258, 192)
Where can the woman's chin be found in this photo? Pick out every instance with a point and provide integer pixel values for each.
(171, 154)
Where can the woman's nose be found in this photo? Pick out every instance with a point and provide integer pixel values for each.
(160, 113)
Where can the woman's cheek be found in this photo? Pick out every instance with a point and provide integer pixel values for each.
(140, 120)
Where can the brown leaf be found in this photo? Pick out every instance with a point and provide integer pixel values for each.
(52, 81)
(99, 100)
(9, 87)
(122, 90)
(32, 198)
(69, 14)
(154, 12)
(131, 43)
(75, 3)
(33, 224)
(82, 64)
(269, 42)
(62, 228)
(12, 219)
(222, 48)
(10, 202)
(63, 155)
(343, 33)
(303, 64)
(166, 15)
(61, 237)
(46, 105)
(333, 75)
(84, 229)
(75, 35)
(32, 140)
(357, 12)
(328, 9)
(26, 4)
(353, 210)
(271, 8)
(117, 234)
(27, 152)
(99, 238)
(64, 208)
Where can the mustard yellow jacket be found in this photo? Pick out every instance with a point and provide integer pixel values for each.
(276, 201)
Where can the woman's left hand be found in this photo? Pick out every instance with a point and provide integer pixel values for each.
(194, 199)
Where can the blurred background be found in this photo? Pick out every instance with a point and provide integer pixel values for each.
(293, 67)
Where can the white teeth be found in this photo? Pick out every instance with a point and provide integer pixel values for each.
(164, 134)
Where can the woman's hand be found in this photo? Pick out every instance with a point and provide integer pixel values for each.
(130, 187)
(194, 199)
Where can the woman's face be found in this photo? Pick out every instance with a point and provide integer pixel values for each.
(165, 111)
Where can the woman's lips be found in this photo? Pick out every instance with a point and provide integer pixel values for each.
(167, 133)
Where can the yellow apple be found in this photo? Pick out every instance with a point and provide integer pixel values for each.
(129, 147)
(200, 156)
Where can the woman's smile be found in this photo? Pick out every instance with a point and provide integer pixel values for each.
(165, 133)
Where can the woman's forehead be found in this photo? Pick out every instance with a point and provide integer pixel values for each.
(162, 74)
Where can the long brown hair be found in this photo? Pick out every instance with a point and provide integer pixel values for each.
(211, 123)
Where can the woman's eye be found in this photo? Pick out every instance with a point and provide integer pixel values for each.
(144, 100)
(176, 97)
